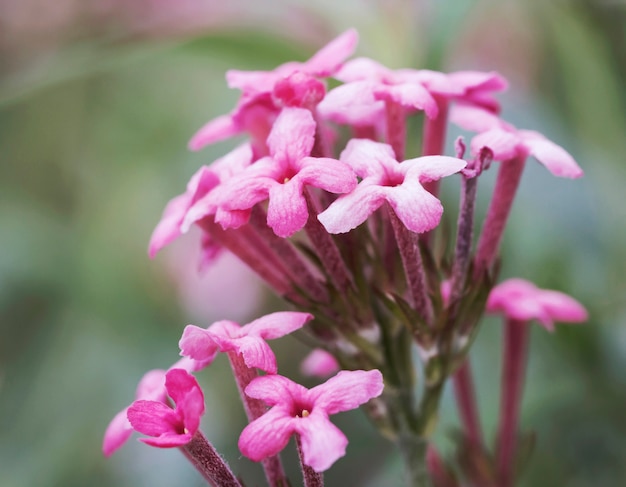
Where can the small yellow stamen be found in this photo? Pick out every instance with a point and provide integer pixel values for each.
(286, 180)
(186, 431)
(304, 413)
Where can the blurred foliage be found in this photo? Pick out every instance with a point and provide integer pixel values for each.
(93, 128)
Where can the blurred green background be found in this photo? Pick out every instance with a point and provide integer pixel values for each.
(97, 102)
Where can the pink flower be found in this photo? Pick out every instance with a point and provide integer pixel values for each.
(471, 87)
(385, 179)
(521, 300)
(398, 86)
(506, 142)
(171, 226)
(319, 363)
(282, 176)
(170, 427)
(256, 110)
(151, 387)
(305, 412)
(248, 340)
(322, 65)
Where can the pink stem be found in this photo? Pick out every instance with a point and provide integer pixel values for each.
(508, 180)
(311, 477)
(255, 408)
(435, 138)
(295, 266)
(437, 470)
(326, 247)
(466, 402)
(516, 334)
(413, 267)
(396, 128)
(254, 253)
(208, 462)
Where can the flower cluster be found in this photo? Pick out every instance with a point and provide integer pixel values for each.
(323, 204)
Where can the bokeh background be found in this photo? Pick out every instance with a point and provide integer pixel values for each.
(97, 102)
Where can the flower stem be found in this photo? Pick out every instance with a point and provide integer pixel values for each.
(435, 138)
(396, 128)
(413, 267)
(509, 176)
(208, 462)
(310, 477)
(326, 248)
(466, 402)
(516, 334)
(413, 449)
(255, 408)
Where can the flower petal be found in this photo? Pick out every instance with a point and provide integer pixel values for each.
(352, 104)
(198, 344)
(347, 390)
(117, 433)
(430, 168)
(409, 95)
(368, 158)
(168, 440)
(474, 119)
(350, 210)
(503, 144)
(419, 210)
(292, 136)
(322, 442)
(266, 435)
(287, 211)
(328, 59)
(217, 129)
(153, 418)
(328, 174)
(556, 159)
(276, 325)
(319, 363)
(276, 389)
(151, 387)
(255, 351)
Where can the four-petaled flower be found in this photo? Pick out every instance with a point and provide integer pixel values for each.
(249, 340)
(385, 179)
(506, 142)
(256, 110)
(151, 387)
(521, 300)
(305, 412)
(170, 427)
(282, 176)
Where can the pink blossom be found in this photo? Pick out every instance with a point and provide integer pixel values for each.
(282, 176)
(170, 427)
(507, 142)
(256, 110)
(323, 64)
(368, 86)
(248, 340)
(470, 87)
(385, 179)
(521, 300)
(151, 387)
(319, 363)
(305, 412)
(171, 226)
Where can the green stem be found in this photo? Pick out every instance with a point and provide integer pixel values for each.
(413, 449)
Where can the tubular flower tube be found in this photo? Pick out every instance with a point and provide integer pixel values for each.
(521, 301)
